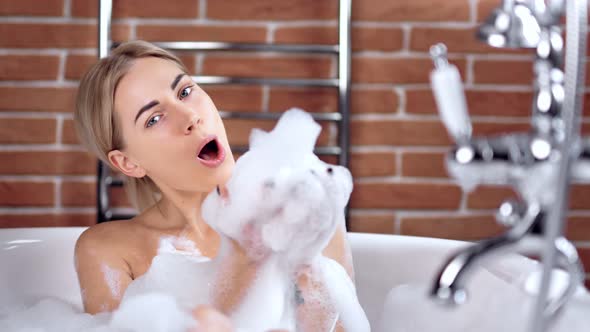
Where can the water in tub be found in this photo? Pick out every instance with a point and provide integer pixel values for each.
(282, 204)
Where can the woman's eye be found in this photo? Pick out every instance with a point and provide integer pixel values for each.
(185, 92)
(151, 121)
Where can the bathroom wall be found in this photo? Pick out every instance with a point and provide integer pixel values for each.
(47, 179)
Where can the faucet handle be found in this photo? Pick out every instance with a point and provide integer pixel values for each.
(450, 98)
(510, 213)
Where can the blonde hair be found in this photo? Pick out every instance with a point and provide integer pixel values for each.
(97, 126)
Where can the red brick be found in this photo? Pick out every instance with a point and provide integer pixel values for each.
(272, 10)
(487, 103)
(307, 35)
(373, 101)
(396, 132)
(485, 8)
(405, 196)
(584, 254)
(457, 40)
(69, 135)
(381, 224)
(420, 102)
(77, 65)
(139, 8)
(373, 164)
(578, 229)
(503, 72)
(29, 67)
(489, 197)
(27, 131)
(586, 109)
(47, 220)
(275, 66)
(493, 129)
(424, 164)
(58, 35)
(78, 193)
(580, 196)
(238, 130)
(83, 194)
(20, 193)
(417, 10)
(377, 39)
(490, 103)
(455, 227)
(399, 70)
(236, 98)
(309, 99)
(326, 100)
(31, 8)
(363, 38)
(47, 163)
(419, 133)
(243, 34)
(37, 99)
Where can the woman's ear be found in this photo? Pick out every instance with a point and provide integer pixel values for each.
(125, 165)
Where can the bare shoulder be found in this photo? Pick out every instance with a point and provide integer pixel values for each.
(102, 269)
(103, 237)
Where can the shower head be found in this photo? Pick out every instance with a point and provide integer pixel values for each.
(513, 25)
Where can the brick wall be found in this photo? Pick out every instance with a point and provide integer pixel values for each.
(47, 179)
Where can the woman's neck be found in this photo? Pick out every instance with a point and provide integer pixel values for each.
(182, 210)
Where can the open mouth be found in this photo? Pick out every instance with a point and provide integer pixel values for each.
(211, 153)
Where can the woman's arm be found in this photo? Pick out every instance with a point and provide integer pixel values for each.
(314, 312)
(103, 275)
(339, 250)
(237, 272)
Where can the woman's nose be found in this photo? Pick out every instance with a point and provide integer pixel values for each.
(192, 120)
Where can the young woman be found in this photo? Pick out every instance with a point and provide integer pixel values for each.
(139, 111)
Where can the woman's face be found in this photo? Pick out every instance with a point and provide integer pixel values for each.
(171, 128)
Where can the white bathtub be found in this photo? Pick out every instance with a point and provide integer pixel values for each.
(38, 262)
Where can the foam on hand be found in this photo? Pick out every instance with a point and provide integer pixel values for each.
(281, 195)
(283, 205)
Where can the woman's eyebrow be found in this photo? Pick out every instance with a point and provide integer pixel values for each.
(145, 108)
(176, 80)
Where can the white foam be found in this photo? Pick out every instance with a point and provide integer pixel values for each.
(113, 279)
(179, 245)
(156, 312)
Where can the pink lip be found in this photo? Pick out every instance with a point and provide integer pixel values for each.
(220, 154)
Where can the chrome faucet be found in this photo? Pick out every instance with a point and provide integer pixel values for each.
(548, 156)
